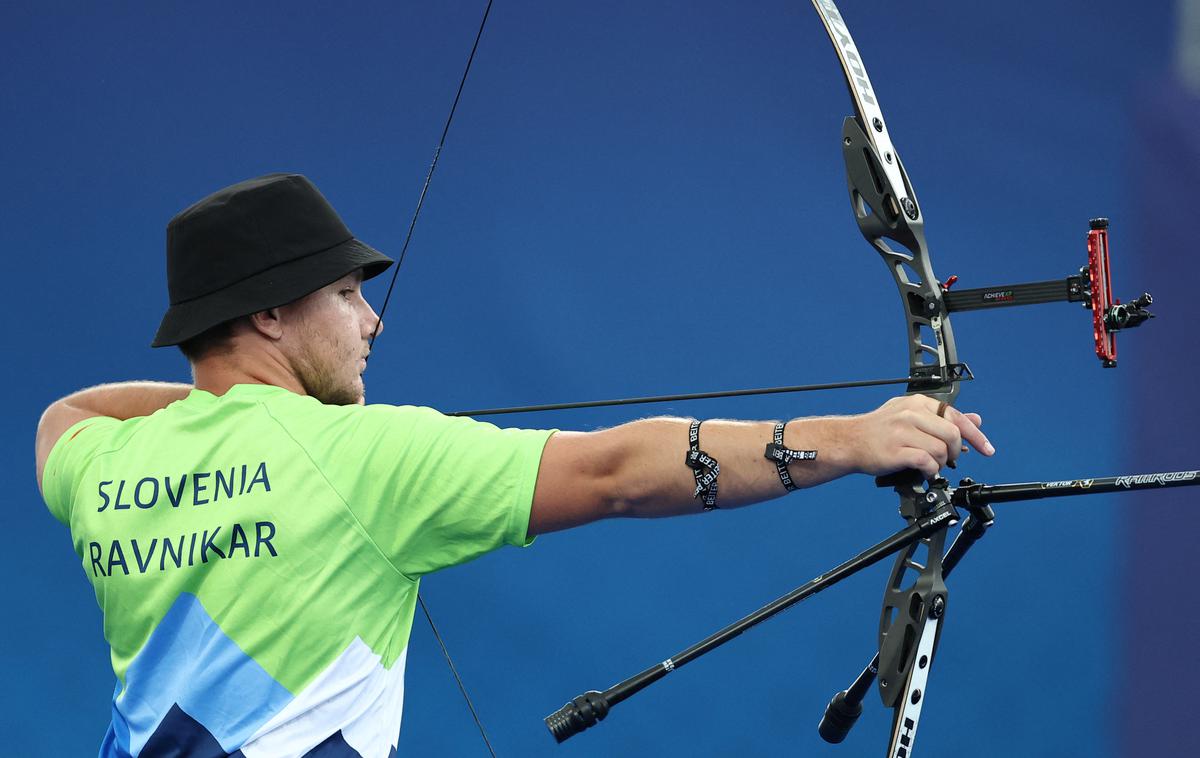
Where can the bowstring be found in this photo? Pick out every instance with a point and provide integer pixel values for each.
(412, 225)
(437, 153)
(461, 687)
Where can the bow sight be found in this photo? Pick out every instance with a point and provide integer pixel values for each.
(1092, 287)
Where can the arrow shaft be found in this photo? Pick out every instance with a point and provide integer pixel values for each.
(691, 396)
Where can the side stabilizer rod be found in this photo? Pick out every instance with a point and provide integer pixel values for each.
(591, 707)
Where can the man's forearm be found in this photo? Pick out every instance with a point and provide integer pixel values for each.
(653, 447)
(126, 400)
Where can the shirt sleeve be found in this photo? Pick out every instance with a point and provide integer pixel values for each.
(430, 490)
(69, 458)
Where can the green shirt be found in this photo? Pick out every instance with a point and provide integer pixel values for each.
(296, 533)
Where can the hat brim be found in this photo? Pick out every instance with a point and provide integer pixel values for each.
(272, 288)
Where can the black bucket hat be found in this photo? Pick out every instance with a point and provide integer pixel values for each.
(258, 244)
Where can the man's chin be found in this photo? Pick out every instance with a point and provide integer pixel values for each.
(343, 400)
(341, 396)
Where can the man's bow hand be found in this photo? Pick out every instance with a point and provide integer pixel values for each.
(908, 433)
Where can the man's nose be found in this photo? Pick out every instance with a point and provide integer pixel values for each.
(373, 323)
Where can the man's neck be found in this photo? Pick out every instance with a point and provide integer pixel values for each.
(218, 372)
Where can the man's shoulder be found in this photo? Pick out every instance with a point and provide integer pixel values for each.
(286, 405)
(316, 425)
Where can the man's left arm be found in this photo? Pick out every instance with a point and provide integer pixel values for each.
(638, 469)
(124, 400)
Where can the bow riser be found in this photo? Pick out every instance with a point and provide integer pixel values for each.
(873, 198)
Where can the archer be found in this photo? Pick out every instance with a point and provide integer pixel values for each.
(300, 644)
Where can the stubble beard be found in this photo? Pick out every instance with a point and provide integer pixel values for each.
(323, 384)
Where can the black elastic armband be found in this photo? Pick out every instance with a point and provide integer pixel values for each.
(704, 467)
(782, 456)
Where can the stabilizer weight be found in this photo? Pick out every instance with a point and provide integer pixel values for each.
(840, 715)
(583, 712)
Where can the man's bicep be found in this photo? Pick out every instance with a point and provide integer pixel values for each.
(56, 420)
(575, 482)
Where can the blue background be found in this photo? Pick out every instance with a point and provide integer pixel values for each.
(639, 198)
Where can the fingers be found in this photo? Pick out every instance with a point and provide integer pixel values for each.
(922, 460)
(968, 427)
(909, 432)
(932, 440)
(940, 437)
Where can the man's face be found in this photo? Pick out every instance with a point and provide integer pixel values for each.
(328, 334)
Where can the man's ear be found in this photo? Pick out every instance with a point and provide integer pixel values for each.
(268, 323)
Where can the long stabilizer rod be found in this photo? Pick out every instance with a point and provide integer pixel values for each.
(969, 494)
